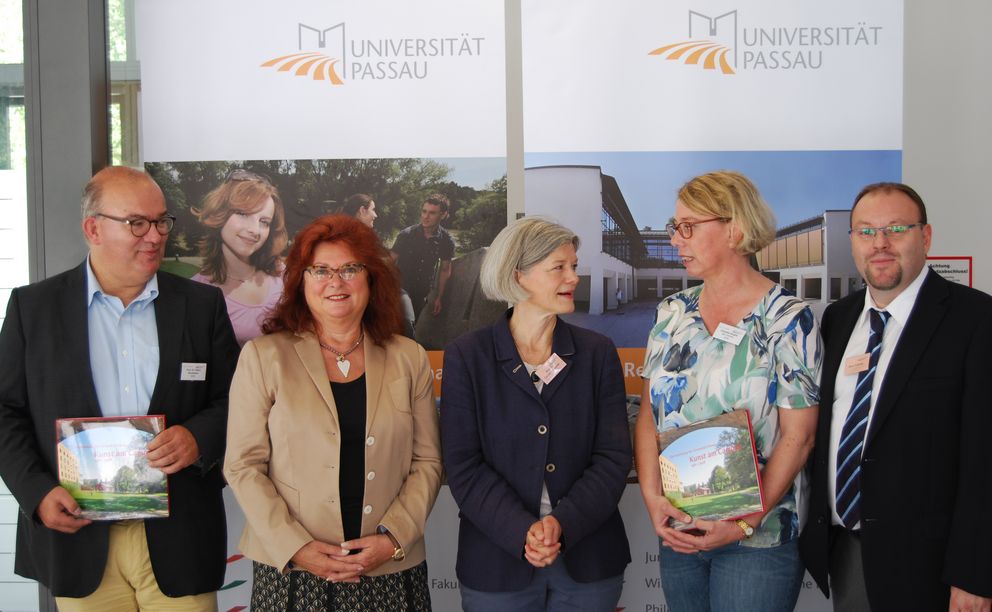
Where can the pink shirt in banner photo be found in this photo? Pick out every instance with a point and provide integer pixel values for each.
(247, 319)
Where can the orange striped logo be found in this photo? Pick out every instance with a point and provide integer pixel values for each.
(317, 66)
(708, 54)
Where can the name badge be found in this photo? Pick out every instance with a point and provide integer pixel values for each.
(729, 333)
(550, 368)
(193, 371)
(858, 363)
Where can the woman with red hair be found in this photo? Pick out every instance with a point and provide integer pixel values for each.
(333, 449)
(242, 249)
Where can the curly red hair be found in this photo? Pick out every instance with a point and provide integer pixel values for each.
(383, 316)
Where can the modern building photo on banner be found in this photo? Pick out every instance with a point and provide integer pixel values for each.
(802, 98)
(258, 117)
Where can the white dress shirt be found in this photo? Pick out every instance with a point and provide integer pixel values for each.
(899, 310)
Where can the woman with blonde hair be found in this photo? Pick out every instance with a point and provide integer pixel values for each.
(737, 341)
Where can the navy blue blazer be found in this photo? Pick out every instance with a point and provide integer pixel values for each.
(501, 441)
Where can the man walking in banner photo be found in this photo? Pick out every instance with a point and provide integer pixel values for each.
(116, 337)
(901, 476)
(417, 251)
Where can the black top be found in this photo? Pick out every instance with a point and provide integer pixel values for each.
(350, 400)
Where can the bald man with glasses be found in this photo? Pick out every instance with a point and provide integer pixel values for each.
(116, 337)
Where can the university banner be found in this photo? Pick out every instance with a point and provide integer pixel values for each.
(804, 99)
(316, 102)
(624, 102)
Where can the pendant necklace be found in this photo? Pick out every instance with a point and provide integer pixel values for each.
(343, 364)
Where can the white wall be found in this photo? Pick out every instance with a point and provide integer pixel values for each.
(947, 125)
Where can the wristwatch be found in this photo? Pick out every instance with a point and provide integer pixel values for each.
(745, 527)
(398, 553)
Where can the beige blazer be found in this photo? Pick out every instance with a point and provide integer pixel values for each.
(283, 447)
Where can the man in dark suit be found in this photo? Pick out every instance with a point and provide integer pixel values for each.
(113, 337)
(901, 476)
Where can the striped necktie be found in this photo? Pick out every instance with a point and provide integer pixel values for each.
(852, 436)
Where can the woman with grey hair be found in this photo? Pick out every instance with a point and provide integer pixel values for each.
(535, 439)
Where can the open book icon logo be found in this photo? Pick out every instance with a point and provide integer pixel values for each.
(313, 59)
(712, 43)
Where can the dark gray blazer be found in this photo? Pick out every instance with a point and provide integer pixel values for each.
(45, 374)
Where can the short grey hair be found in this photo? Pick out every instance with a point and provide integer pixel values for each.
(519, 247)
(90, 204)
(93, 192)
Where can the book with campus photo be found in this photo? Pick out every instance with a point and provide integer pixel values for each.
(709, 469)
(103, 464)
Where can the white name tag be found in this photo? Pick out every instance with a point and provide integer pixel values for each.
(193, 371)
(728, 333)
(550, 368)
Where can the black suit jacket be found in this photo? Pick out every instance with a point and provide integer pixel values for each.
(45, 374)
(926, 480)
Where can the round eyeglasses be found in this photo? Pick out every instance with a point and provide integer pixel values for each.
(140, 225)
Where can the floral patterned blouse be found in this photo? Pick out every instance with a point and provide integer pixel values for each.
(695, 376)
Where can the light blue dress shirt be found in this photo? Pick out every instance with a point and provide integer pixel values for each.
(123, 342)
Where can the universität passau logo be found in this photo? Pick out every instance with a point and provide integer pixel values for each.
(329, 56)
(708, 51)
(312, 59)
(726, 45)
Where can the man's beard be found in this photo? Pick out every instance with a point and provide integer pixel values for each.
(874, 283)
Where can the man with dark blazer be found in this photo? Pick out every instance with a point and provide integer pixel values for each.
(114, 337)
(901, 475)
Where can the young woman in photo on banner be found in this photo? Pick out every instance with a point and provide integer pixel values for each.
(246, 235)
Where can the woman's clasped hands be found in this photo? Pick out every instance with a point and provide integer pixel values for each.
(337, 564)
(543, 545)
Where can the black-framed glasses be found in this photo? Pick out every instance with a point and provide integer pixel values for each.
(346, 272)
(240, 174)
(140, 225)
(685, 228)
(889, 231)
